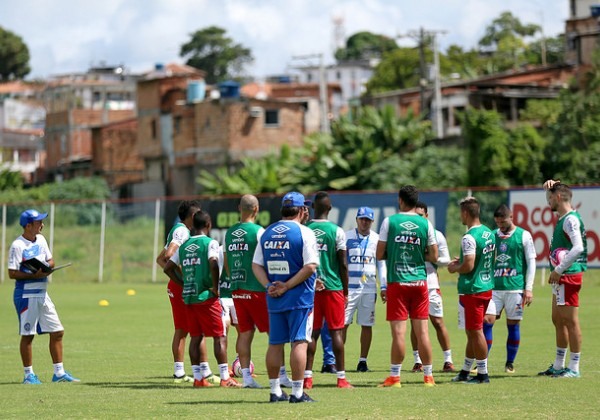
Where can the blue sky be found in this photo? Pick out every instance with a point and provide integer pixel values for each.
(70, 35)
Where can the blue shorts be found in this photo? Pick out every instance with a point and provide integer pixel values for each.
(290, 326)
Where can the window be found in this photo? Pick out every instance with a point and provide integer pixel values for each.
(153, 129)
(271, 117)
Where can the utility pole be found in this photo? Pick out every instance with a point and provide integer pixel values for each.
(323, 97)
(422, 36)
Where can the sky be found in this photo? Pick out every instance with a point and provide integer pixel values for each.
(65, 36)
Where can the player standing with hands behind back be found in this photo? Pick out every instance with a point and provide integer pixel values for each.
(566, 278)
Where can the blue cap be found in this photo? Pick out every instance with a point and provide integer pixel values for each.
(365, 213)
(30, 216)
(294, 199)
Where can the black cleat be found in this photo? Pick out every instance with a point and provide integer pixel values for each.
(463, 376)
(362, 367)
(329, 369)
(283, 397)
(304, 398)
(479, 379)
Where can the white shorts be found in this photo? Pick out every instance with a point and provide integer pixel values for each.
(506, 300)
(364, 303)
(229, 310)
(38, 316)
(436, 305)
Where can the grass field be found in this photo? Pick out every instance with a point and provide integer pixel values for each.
(122, 354)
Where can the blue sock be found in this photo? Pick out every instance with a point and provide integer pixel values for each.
(512, 342)
(487, 331)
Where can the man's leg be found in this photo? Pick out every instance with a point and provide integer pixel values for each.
(366, 337)
(562, 336)
(488, 325)
(570, 319)
(421, 328)
(56, 346)
(328, 353)
(444, 339)
(513, 340)
(25, 348)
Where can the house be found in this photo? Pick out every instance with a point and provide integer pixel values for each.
(22, 119)
(74, 104)
(582, 30)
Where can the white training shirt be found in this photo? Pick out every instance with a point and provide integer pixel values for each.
(362, 252)
(23, 249)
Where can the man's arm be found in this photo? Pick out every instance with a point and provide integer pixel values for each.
(166, 254)
(432, 253)
(381, 250)
(173, 271)
(19, 275)
(466, 267)
(343, 262)
(279, 288)
(214, 274)
(260, 273)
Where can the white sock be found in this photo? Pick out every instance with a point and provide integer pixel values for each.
(308, 373)
(362, 359)
(28, 370)
(275, 388)
(247, 375)
(395, 369)
(574, 362)
(416, 356)
(482, 366)
(341, 374)
(197, 371)
(224, 371)
(559, 362)
(468, 364)
(59, 370)
(178, 369)
(297, 388)
(447, 356)
(427, 370)
(205, 368)
(282, 371)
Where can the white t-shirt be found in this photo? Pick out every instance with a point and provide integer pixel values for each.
(23, 249)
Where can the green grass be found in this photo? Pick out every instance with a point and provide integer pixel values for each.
(122, 354)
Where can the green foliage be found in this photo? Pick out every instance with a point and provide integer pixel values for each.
(14, 56)
(487, 141)
(10, 180)
(399, 69)
(365, 45)
(555, 50)
(210, 50)
(527, 153)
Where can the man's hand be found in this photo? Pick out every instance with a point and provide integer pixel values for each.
(554, 278)
(277, 289)
(384, 296)
(452, 265)
(319, 285)
(550, 183)
(527, 297)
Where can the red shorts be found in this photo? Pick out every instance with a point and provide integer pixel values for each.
(474, 307)
(206, 318)
(331, 306)
(174, 290)
(406, 300)
(567, 290)
(251, 310)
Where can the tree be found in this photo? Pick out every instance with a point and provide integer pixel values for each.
(10, 180)
(210, 50)
(398, 69)
(365, 45)
(504, 39)
(555, 50)
(14, 56)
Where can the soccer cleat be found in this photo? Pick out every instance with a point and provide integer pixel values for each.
(308, 383)
(252, 384)
(418, 367)
(31, 379)
(285, 382)
(202, 383)
(567, 373)
(182, 379)
(550, 371)
(362, 367)
(230, 383)
(343, 383)
(463, 376)
(283, 397)
(213, 379)
(304, 398)
(473, 370)
(509, 368)
(391, 382)
(428, 381)
(479, 379)
(448, 367)
(64, 378)
(328, 369)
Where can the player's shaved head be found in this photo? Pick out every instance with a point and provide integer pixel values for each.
(201, 220)
(248, 203)
(321, 203)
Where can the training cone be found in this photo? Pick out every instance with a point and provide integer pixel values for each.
(131, 292)
(103, 302)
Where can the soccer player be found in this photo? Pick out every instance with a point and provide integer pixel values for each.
(363, 268)
(406, 241)
(229, 314)
(566, 277)
(514, 272)
(199, 261)
(475, 282)
(331, 290)
(285, 263)
(436, 304)
(179, 233)
(35, 309)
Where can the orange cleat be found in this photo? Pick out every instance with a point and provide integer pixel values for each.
(230, 383)
(391, 382)
(343, 383)
(428, 381)
(308, 383)
(203, 383)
